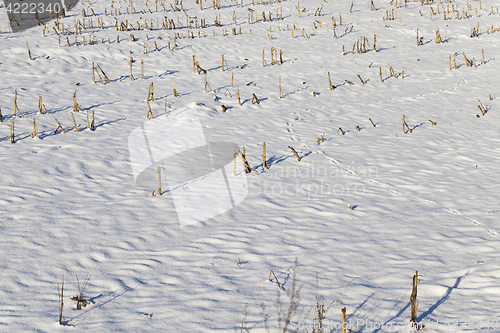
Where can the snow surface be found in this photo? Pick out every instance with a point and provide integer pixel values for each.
(427, 200)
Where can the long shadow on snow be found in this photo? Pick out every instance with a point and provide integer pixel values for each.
(127, 289)
(442, 299)
(391, 319)
(275, 160)
(417, 126)
(360, 306)
(108, 122)
(431, 309)
(250, 99)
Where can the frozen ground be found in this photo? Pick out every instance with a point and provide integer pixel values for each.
(427, 200)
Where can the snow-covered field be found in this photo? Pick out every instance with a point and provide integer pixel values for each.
(426, 201)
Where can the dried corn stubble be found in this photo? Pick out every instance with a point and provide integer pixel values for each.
(16, 109)
(255, 99)
(264, 159)
(76, 106)
(405, 125)
(320, 139)
(11, 136)
(176, 94)
(330, 85)
(281, 92)
(59, 126)
(296, 154)
(242, 155)
(74, 122)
